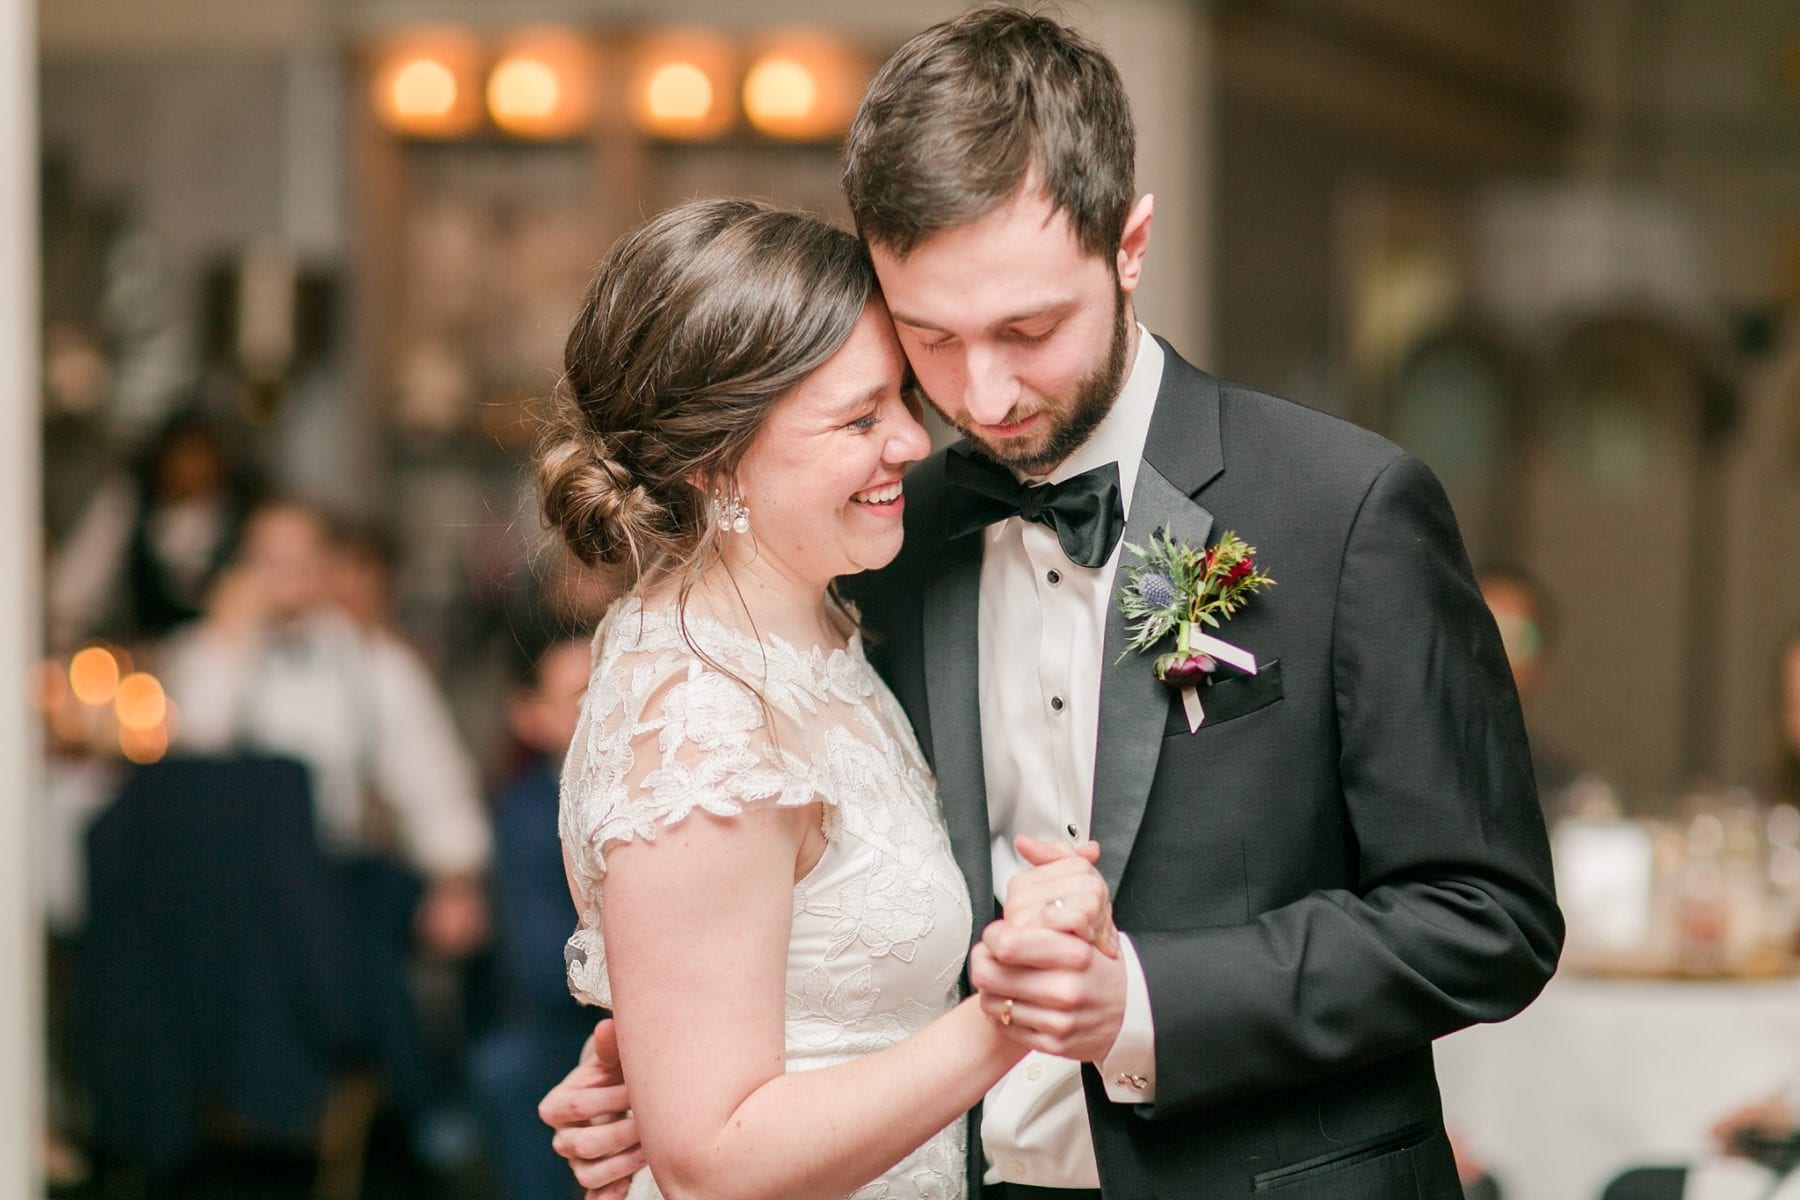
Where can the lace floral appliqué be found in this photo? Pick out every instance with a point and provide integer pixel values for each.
(880, 924)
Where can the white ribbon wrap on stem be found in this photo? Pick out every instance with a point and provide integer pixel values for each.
(1206, 643)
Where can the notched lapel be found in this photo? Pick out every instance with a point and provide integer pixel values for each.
(953, 698)
(1134, 705)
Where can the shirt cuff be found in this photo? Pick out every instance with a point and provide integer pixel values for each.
(1129, 1068)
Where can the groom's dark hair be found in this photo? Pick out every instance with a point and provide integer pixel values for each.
(966, 112)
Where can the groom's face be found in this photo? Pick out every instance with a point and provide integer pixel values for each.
(1018, 337)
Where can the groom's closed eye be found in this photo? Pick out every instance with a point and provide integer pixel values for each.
(1032, 338)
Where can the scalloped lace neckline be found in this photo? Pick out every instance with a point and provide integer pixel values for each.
(816, 660)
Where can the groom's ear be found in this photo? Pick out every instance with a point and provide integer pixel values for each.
(1134, 242)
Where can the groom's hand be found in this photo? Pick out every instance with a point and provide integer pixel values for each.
(590, 1112)
(1062, 891)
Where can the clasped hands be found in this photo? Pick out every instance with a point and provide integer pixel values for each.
(1049, 971)
(1049, 974)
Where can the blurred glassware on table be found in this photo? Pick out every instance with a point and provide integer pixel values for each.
(1715, 894)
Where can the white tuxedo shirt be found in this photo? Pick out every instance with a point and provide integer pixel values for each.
(1042, 627)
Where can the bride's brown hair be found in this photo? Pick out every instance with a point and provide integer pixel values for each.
(696, 324)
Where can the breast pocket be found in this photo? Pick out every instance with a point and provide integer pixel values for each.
(1228, 699)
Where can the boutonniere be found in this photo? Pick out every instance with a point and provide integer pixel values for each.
(1180, 590)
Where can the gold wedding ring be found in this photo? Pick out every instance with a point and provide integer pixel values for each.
(1006, 1011)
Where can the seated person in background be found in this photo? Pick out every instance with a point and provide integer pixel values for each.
(276, 666)
(542, 1025)
(1770, 1118)
(1527, 622)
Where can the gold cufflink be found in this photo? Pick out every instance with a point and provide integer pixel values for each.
(1132, 1081)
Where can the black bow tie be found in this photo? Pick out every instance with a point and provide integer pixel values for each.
(1086, 510)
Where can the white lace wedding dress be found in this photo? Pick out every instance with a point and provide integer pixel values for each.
(880, 925)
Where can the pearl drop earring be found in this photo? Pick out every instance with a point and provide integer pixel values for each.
(732, 514)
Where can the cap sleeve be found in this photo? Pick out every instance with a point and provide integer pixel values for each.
(666, 736)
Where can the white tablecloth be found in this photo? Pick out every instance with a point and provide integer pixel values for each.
(1601, 1075)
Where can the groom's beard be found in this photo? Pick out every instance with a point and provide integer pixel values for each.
(1094, 398)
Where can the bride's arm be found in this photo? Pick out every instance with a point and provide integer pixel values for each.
(696, 931)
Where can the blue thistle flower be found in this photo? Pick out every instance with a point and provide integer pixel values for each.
(1156, 589)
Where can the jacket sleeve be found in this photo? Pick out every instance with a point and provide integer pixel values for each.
(1453, 918)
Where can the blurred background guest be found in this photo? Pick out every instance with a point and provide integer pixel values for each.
(364, 562)
(151, 542)
(1527, 620)
(1784, 784)
(278, 666)
(541, 1025)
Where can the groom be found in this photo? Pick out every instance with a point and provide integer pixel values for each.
(1319, 860)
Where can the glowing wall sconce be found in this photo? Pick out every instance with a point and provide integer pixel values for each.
(681, 84)
(541, 84)
(803, 85)
(427, 83)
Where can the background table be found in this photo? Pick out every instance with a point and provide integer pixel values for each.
(1602, 1074)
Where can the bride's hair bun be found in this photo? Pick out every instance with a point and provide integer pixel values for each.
(696, 324)
(590, 497)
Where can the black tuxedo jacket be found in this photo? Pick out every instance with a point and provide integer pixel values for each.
(1346, 861)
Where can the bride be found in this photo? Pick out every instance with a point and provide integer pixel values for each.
(768, 899)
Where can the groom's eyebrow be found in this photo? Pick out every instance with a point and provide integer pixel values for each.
(1018, 318)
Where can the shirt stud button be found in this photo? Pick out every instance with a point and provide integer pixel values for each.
(1053, 577)
(1056, 703)
(1074, 829)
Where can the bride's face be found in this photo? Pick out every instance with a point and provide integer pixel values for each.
(822, 478)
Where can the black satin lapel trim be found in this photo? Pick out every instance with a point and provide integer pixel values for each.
(1184, 442)
(1133, 705)
(953, 698)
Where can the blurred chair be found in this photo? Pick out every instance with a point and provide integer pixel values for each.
(212, 972)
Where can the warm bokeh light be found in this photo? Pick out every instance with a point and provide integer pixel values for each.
(803, 84)
(74, 724)
(423, 89)
(681, 81)
(541, 83)
(94, 675)
(679, 92)
(427, 83)
(140, 704)
(144, 746)
(523, 89)
(779, 89)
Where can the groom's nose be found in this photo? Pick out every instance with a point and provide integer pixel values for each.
(990, 391)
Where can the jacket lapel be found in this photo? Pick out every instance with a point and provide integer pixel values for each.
(952, 690)
(1181, 455)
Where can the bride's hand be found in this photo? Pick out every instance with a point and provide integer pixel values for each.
(1062, 891)
(1050, 973)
